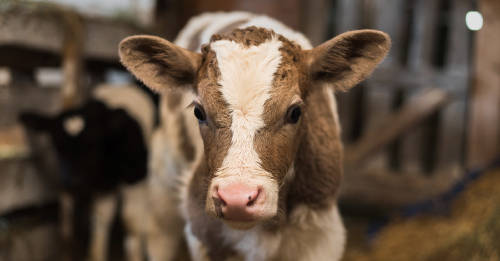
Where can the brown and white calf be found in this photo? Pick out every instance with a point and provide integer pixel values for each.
(265, 187)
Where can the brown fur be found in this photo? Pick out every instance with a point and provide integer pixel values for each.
(249, 36)
(232, 26)
(318, 164)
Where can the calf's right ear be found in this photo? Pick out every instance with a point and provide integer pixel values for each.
(160, 64)
(36, 122)
(349, 58)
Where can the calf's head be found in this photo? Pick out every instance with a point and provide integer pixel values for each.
(251, 88)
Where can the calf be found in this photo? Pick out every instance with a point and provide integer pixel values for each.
(265, 187)
(103, 150)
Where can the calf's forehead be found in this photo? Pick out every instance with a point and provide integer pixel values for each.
(248, 67)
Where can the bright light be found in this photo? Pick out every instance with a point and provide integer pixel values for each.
(474, 20)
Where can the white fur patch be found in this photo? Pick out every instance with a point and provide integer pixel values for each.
(246, 79)
(74, 125)
(197, 251)
(309, 235)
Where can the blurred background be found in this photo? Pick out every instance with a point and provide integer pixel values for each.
(422, 135)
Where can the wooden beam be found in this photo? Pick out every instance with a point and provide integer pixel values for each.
(385, 189)
(42, 29)
(73, 91)
(415, 111)
(483, 143)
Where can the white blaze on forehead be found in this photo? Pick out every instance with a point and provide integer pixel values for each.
(247, 75)
(74, 125)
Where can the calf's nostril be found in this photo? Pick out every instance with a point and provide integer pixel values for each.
(250, 201)
(252, 198)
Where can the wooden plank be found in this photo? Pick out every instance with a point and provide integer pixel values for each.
(423, 36)
(388, 12)
(483, 143)
(23, 97)
(451, 136)
(421, 45)
(42, 29)
(380, 96)
(412, 146)
(378, 107)
(416, 110)
(73, 91)
(385, 189)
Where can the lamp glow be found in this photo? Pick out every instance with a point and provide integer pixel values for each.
(474, 20)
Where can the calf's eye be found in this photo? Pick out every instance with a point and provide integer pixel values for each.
(199, 113)
(293, 114)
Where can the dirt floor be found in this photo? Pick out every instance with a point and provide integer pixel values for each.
(468, 230)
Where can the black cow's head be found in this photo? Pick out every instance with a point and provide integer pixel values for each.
(98, 147)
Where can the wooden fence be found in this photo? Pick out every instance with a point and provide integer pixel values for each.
(404, 128)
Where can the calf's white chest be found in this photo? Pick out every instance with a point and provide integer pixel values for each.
(309, 235)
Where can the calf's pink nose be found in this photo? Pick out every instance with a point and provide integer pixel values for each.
(237, 201)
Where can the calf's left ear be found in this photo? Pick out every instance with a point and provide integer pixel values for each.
(348, 58)
(160, 64)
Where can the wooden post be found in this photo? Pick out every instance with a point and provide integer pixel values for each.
(73, 91)
(483, 143)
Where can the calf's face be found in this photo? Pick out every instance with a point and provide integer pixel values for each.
(251, 88)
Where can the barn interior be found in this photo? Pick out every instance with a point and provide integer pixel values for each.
(421, 135)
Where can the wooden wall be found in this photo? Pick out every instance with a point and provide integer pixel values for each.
(484, 111)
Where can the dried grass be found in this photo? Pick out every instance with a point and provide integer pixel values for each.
(471, 231)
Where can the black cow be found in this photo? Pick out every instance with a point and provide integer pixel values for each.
(100, 146)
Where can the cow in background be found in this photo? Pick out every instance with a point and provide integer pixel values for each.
(103, 151)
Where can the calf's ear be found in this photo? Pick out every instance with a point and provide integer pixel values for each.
(160, 64)
(36, 122)
(348, 58)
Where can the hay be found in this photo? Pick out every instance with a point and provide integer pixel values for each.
(471, 230)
